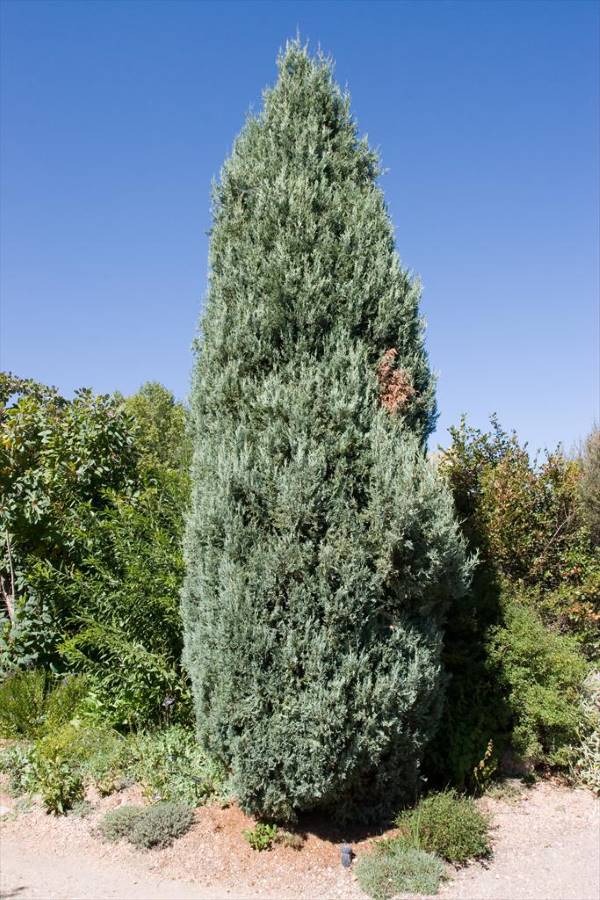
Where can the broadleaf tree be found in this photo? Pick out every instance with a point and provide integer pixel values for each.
(322, 551)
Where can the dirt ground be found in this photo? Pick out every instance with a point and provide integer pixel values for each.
(546, 847)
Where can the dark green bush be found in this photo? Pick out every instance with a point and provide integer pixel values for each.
(542, 674)
(446, 824)
(524, 518)
(395, 869)
(161, 824)
(119, 823)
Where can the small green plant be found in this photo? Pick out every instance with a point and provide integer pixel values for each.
(161, 824)
(59, 783)
(392, 869)
(17, 761)
(120, 822)
(484, 770)
(448, 825)
(262, 836)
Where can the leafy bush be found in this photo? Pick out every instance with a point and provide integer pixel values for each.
(33, 702)
(172, 766)
(262, 836)
(58, 459)
(446, 824)
(17, 760)
(542, 674)
(524, 518)
(58, 781)
(394, 869)
(587, 762)
(119, 823)
(91, 564)
(590, 484)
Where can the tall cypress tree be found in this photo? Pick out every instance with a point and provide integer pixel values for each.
(321, 547)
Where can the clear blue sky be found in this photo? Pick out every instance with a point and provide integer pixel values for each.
(116, 115)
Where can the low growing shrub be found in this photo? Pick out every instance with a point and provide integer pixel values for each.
(262, 836)
(120, 822)
(392, 869)
(161, 824)
(448, 825)
(147, 826)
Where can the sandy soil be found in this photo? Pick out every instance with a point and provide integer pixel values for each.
(546, 847)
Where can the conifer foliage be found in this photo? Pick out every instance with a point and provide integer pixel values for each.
(322, 552)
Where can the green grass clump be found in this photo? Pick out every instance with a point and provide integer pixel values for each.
(120, 822)
(148, 827)
(446, 824)
(392, 868)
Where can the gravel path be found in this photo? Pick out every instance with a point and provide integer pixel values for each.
(546, 847)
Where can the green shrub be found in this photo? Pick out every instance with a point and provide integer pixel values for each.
(590, 484)
(587, 761)
(17, 760)
(171, 765)
(161, 824)
(446, 824)
(542, 674)
(262, 836)
(33, 702)
(64, 700)
(22, 704)
(119, 823)
(394, 869)
(58, 781)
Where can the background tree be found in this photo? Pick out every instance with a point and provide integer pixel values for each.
(93, 491)
(322, 551)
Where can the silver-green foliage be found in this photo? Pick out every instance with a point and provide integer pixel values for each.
(395, 869)
(147, 826)
(322, 552)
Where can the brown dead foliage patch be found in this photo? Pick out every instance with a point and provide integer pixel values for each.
(395, 387)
